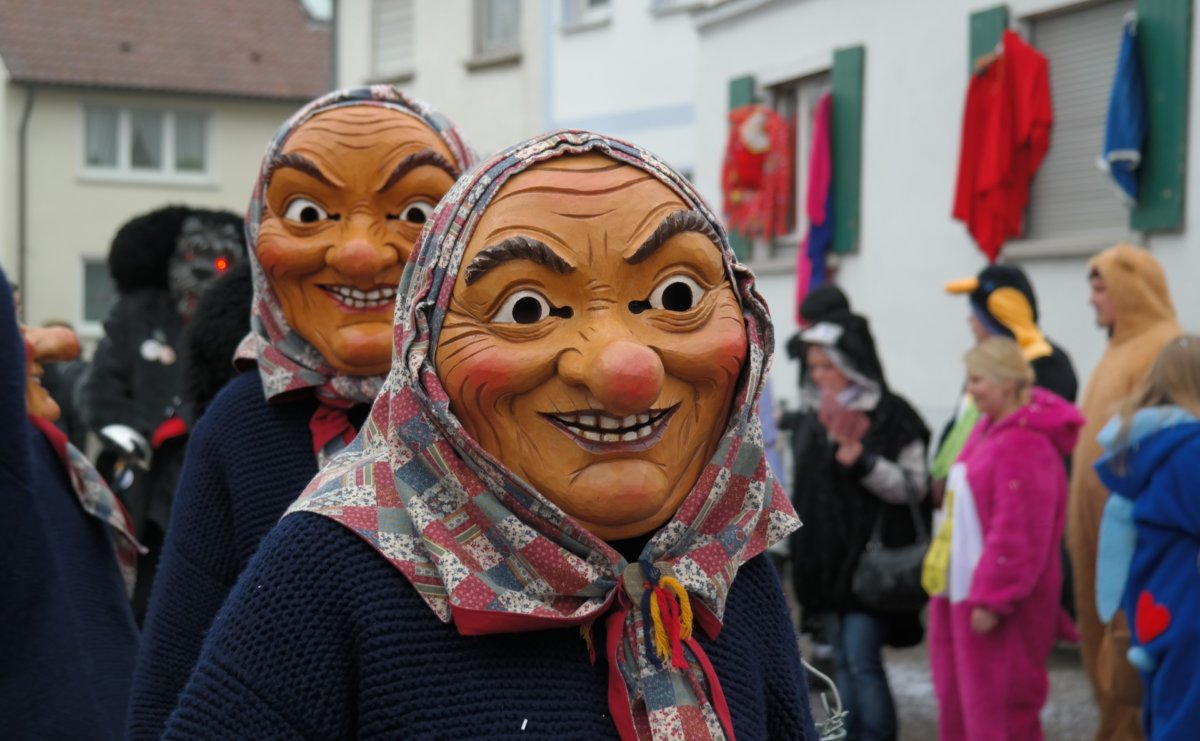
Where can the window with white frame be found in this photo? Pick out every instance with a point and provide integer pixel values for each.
(1071, 198)
(497, 28)
(796, 101)
(99, 293)
(145, 142)
(585, 13)
(392, 39)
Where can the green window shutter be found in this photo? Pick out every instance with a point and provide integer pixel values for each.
(987, 27)
(1164, 43)
(846, 83)
(741, 92)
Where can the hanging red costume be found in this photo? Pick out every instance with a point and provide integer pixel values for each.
(1006, 133)
(757, 175)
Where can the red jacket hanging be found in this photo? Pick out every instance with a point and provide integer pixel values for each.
(757, 175)
(1006, 133)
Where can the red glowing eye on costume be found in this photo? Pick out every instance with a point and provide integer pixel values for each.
(222, 264)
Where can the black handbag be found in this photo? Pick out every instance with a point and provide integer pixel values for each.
(889, 579)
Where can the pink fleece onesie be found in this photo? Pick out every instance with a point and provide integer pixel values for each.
(1012, 481)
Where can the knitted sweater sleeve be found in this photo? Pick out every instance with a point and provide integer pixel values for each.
(198, 568)
(1028, 487)
(788, 712)
(280, 659)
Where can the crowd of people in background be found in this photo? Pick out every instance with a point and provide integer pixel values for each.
(1019, 477)
(1045, 522)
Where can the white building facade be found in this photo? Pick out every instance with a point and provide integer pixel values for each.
(627, 68)
(915, 75)
(664, 73)
(477, 61)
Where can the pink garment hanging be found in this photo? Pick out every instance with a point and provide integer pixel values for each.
(820, 180)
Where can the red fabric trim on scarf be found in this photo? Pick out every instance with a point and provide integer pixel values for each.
(328, 422)
(618, 693)
(714, 685)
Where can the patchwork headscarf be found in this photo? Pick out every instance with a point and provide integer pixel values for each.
(286, 361)
(97, 500)
(488, 552)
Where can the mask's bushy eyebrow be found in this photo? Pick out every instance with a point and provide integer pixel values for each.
(515, 248)
(299, 162)
(676, 223)
(419, 159)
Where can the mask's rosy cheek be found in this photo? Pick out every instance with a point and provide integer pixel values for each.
(717, 352)
(282, 254)
(479, 372)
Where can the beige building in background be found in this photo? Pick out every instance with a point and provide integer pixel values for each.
(108, 115)
(477, 61)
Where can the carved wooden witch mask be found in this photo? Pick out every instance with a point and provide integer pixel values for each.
(346, 199)
(593, 341)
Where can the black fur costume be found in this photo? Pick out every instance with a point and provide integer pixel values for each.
(135, 377)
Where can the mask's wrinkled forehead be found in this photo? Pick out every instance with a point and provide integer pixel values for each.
(384, 96)
(601, 163)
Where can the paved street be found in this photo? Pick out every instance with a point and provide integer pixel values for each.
(1069, 715)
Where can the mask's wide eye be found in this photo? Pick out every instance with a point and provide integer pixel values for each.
(524, 307)
(676, 293)
(304, 211)
(414, 212)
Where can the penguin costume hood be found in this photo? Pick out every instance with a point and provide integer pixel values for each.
(1003, 301)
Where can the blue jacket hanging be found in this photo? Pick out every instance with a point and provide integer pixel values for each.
(1125, 131)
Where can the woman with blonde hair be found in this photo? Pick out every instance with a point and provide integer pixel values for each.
(993, 571)
(1149, 557)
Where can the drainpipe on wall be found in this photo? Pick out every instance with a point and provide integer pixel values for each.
(22, 198)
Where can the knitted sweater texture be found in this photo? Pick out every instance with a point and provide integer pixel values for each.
(67, 636)
(322, 638)
(246, 462)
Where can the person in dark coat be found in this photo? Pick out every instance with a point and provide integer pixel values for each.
(211, 338)
(160, 262)
(314, 345)
(67, 634)
(859, 454)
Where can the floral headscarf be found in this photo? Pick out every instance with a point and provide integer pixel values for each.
(491, 554)
(286, 361)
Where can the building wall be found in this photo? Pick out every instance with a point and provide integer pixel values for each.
(71, 216)
(632, 76)
(494, 106)
(914, 85)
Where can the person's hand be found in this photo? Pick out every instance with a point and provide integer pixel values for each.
(45, 345)
(983, 620)
(848, 453)
(854, 427)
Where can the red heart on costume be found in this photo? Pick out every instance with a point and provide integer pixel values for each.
(1151, 619)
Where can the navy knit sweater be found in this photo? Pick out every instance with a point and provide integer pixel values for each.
(67, 636)
(323, 638)
(246, 462)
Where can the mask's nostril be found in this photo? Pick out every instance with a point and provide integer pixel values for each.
(637, 307)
